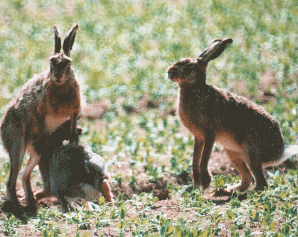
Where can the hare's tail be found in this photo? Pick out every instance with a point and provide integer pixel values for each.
(290, 151)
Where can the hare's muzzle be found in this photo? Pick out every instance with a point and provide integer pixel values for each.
(172, 73)
(59, 66)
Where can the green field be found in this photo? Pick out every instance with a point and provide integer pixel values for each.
(121, 53)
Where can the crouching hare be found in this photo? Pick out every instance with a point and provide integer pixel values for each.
(44, 103)
(251, 137)
(75, 171)
(46, 149)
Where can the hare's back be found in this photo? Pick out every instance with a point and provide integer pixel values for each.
(22, 108)
(247, 121)
(31, 93)
(69, 159)
(238, 110)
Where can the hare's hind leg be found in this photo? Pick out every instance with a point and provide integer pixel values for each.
(16, 153)
(202, 152)
(106, 191)
(238, 161)
(44, 168)
(197, 156)
(256, 169)
(65, 206)
(31, 207)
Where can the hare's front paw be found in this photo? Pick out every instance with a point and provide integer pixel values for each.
(260, 187)
(31, 209)
(68, 208)
(13, 207)
(74, 138)
(201, 180)
(42, 194)
(223, 192)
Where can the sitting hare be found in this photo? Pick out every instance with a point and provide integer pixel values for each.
(44, 103)
(75, 171)
(251, 137)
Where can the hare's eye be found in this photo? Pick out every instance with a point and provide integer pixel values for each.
(54, 62)
(187, 69)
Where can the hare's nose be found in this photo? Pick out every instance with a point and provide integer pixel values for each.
(171, 73)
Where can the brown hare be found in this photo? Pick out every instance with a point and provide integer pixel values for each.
(75, 171)
(44, 103)
(251, 137)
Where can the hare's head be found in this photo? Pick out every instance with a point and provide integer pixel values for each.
(193, 70)
(60, 62)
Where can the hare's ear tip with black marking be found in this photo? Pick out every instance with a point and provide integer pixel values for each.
(56, 28)
(57, 39)
(69, 39)
(215, 49)
(75, 27)
(228, 41)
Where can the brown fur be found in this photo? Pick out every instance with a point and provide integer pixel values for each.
(106, 191)
(46, 150)
(250, 135)
(44, 103)
(75, 171)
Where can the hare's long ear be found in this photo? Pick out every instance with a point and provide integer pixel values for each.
(69, 40)
(57, 39)
(215, 49)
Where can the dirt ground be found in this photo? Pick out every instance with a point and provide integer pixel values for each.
(219, 164)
